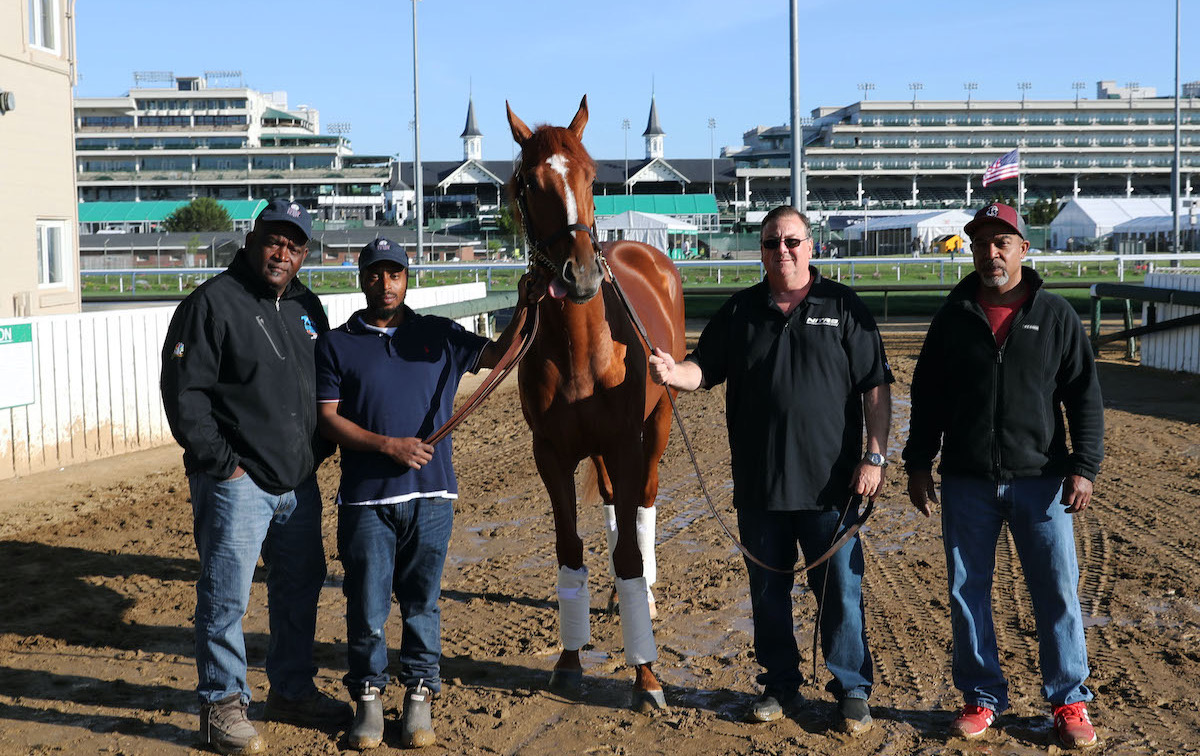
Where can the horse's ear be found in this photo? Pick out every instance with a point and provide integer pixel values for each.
(580, 119)
(520, 131)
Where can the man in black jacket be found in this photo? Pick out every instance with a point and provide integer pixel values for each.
(1002, 362)
(238, 388)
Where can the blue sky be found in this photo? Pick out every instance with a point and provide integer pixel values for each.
(352, 60)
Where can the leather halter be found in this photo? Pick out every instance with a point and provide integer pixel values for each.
(539, 247)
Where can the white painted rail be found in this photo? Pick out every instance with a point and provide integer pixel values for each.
(95, 380)
(1179, 348)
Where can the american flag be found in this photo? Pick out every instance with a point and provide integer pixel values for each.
(1008, 166)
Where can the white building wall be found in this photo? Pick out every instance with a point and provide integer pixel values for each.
(37, 171)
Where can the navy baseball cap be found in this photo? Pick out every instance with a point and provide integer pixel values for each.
(1000, 213)
(382, 249)
(285, 211)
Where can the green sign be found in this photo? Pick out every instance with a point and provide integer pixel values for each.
(16, 365)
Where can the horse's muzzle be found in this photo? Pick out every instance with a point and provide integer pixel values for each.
(582, 280)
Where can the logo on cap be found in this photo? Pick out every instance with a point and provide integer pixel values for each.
(993, 211)
(381, 244)
(294, 210)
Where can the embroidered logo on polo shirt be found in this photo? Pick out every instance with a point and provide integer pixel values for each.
(822, 322)
(177, 352)
(308, 327)
(1031, 327)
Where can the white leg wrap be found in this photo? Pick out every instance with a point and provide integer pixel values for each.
(610, 530)
(645, 541)
(574, 629)
(635, 621)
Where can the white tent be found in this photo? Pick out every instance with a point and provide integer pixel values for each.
(893, 235)
(661, 231)
(1155, 233)
(1097, 217)
(1151, 224)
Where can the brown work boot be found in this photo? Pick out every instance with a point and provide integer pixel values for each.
(224, 726)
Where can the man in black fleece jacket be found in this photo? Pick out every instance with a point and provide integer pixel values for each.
(238, 387)
(1003, 362)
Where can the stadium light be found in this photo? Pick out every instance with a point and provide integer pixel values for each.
(712, 162)
(1132, 86)
(1024, 86)
(1077, 85)
(915, 86)
(866, 87)
(1175, 168)
(970, 86)
(625, 128)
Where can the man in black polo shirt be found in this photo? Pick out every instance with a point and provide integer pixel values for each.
(804, 364)
(386, 379)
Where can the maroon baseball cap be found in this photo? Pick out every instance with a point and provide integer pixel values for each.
(997, 212)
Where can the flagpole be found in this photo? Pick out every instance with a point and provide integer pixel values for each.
(1020, 183)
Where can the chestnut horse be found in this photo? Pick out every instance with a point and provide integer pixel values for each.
(584, 386)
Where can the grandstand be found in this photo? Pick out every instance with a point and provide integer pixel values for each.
(932, 154)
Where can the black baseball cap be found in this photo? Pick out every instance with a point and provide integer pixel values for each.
(286, 211)
(382, 249)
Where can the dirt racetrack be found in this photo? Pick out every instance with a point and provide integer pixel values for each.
(96, 596)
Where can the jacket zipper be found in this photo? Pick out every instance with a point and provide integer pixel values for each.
(297, 371)
(263, 325)
(997, 462)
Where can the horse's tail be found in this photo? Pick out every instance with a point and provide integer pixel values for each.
(589, 486)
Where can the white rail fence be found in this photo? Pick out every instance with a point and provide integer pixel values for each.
(80, 387)
(1177, 349)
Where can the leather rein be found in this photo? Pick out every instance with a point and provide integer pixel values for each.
(838, 542)
(537, 256)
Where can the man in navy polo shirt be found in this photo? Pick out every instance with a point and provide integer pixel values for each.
(805, 366)
(385, 381)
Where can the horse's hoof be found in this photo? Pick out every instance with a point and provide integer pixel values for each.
(566, 682)
(647, 701)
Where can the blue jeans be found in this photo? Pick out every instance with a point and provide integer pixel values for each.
(234, 522)
(773, 538)
(398, 548)
(973, 510)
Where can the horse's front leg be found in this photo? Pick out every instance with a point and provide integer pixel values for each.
(628, 475)
(574, 600)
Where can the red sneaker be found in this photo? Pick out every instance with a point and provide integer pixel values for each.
(1073, 726)
(972, 722)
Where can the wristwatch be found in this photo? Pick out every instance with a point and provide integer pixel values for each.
(877, 460)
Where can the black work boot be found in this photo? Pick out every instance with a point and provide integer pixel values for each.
(416, 724)
(367, 730)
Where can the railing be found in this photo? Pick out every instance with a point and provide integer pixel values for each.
(875, 271)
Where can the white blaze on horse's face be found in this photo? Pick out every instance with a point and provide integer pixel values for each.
(558, 164)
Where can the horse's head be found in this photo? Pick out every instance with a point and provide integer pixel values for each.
(551, 193)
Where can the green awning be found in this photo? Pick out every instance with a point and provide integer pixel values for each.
(659, 204)
(280, 115)
(157, 211)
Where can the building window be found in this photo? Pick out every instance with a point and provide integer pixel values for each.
(53, 250)
(43, 24)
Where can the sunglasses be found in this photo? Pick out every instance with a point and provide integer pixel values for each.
(790, 242)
